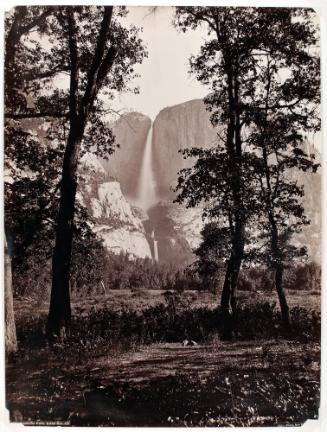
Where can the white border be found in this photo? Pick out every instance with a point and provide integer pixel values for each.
(321, 7)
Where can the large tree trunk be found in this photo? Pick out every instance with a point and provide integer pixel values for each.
(59, 319)
(10, 327)
(60, 312)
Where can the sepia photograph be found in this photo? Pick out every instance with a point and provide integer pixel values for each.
(162, 215)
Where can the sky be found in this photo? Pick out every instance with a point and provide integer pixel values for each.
(164, 79)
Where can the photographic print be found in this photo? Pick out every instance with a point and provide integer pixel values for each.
(162, 193)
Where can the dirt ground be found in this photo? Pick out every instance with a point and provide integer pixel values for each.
(239, 383)
(44, 385)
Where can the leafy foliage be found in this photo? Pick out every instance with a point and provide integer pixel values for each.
(261, 66)
(38, 117)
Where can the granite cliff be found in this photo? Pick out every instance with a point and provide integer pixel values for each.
(115, 221)
(177, 230)
(130, 130)
(176, 128)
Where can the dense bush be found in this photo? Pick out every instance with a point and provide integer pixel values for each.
(174, 321)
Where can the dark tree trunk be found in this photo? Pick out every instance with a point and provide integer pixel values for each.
(225, 300)
(60, 312)
(228, 296)
(279, 270)
(10, 327)
(281, 296)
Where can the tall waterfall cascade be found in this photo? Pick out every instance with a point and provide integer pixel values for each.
(146, 195)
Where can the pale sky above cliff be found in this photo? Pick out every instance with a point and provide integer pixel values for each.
(164, 79)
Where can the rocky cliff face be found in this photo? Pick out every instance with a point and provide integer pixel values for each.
(176, 229)
(124, 165)
(187, 125)
(114, 219)
(175, 128)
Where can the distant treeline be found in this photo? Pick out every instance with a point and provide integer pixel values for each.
(104, 271)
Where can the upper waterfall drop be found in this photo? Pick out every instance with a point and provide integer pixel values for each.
(146, 194)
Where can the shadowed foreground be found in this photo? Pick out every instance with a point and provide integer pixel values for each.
(239, 383)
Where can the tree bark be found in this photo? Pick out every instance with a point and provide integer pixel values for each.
(228, 296)
(279, 270)
(59, 319)
(10, 327)
(282, 298)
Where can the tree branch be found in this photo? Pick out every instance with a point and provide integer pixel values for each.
(106, 65)
(33, 75)
(92, 78)
(19, 116)
(73, 90)
(37, 21)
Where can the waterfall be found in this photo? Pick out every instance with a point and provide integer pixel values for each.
(155, 247)
(155, 250)
(146, 195)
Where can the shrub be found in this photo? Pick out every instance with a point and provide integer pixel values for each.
(174, 321)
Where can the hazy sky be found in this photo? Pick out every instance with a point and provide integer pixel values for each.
(164, 79)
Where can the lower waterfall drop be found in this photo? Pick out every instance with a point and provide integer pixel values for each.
(155, 247)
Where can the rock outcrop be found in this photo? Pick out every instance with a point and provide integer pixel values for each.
(177, 231)
(124, 164)
(114, 219)
(176, 128)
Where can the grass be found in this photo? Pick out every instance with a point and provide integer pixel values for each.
(116, 300)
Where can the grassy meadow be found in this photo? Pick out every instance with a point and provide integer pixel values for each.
(155, 358)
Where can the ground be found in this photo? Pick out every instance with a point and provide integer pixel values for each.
(212, 382)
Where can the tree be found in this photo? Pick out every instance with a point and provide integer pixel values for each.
(108, 49)
(10, 327)
(98, 53)
(13, 100)
(219, 176)
(211, 254)
(285, 110)
(225, 177)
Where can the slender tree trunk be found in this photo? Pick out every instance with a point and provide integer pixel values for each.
(228, 297)
(59, 319)
(10, 327)
(279, 270)
(281, 296)
(225, 299)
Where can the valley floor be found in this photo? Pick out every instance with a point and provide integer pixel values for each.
(213, 383)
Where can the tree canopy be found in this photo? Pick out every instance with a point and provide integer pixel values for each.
(262, 67)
